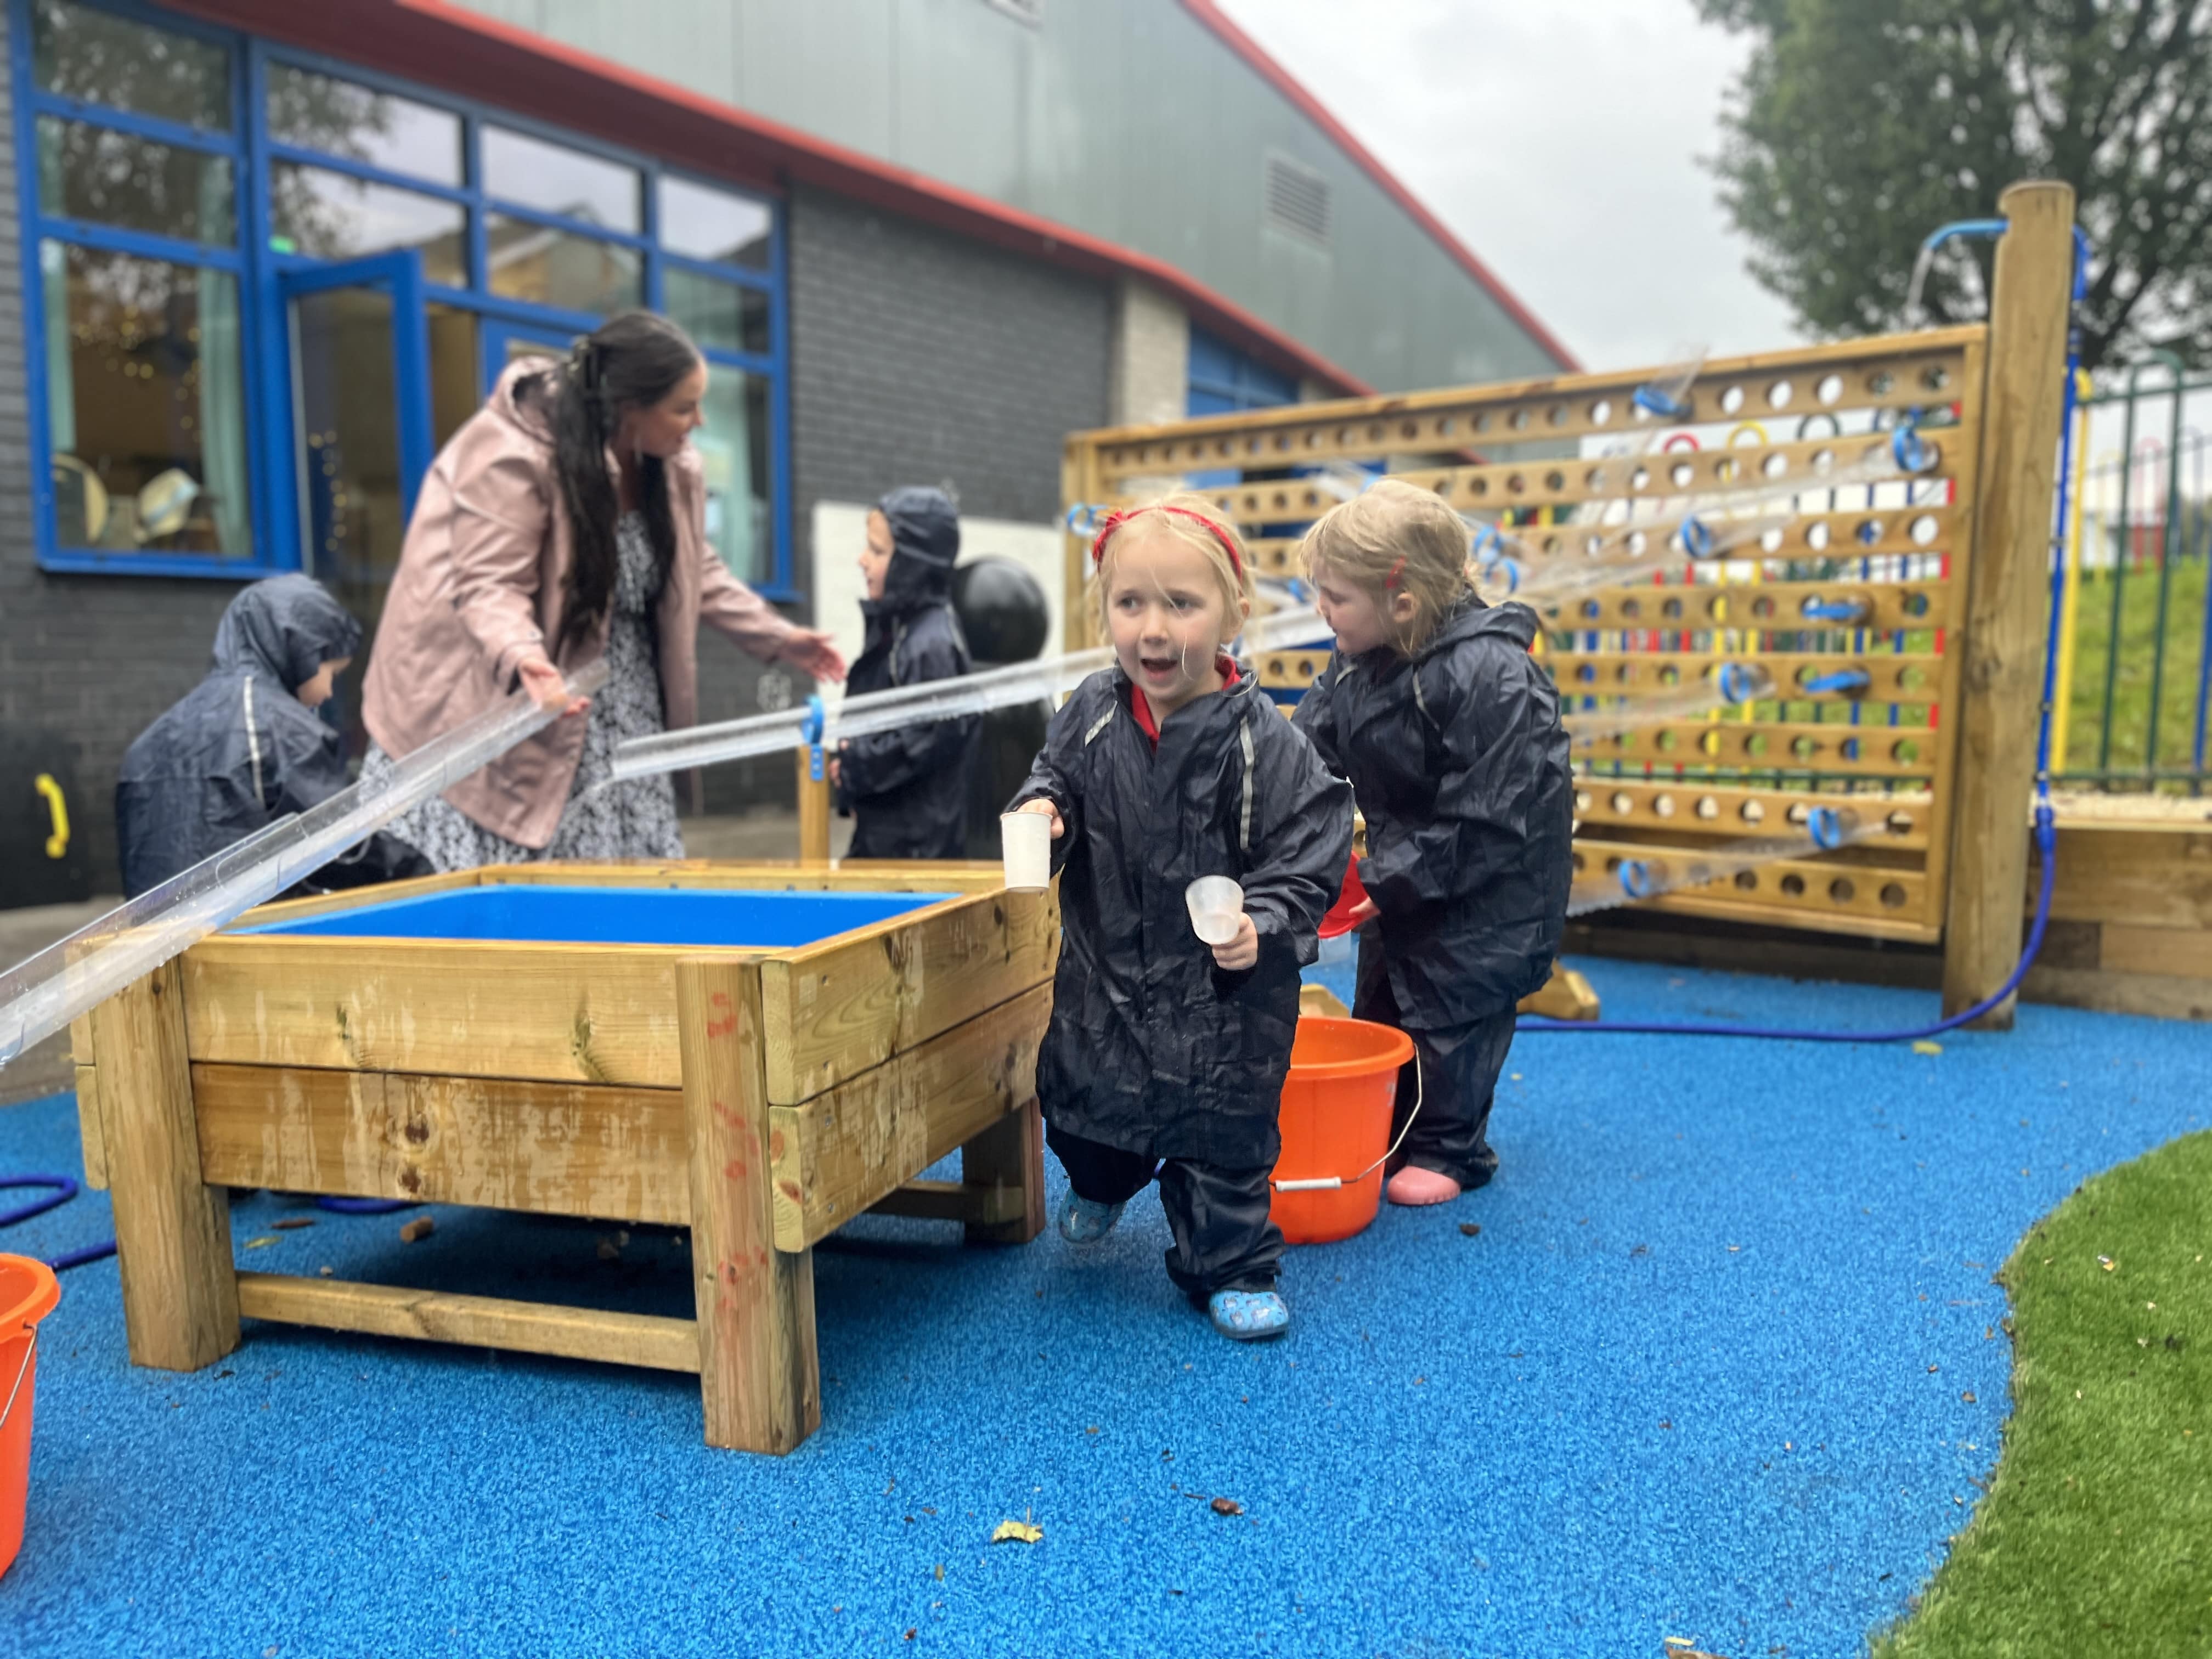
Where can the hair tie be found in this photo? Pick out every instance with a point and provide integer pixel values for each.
(1397, 570)
(1113, 521)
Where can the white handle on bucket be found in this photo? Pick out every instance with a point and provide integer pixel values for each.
(1330, 1183)
(21, 1371)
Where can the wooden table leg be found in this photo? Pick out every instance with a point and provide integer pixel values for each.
(1008, 1157)
(758, 1376)
(172, 1230)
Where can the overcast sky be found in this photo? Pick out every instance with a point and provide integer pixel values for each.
(1559, 140)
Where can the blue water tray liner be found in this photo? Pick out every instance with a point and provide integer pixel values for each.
(533, 913)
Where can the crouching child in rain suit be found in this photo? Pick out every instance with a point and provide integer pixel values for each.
(906, 790)
(1451, 735)
(246, 747)
(1165, 1055)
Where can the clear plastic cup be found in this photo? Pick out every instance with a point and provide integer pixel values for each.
(1025, 840)
(1217, 908)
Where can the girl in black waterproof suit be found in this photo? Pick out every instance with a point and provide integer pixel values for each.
(907, 791)
(1165, 1055)
(1451, 735)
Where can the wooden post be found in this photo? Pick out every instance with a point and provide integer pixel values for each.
(813, 809)
(1008, 1158)
(172, 1230)
(2001, 681)
(758, 1374)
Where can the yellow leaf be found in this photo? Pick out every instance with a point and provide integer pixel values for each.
(1924, 1047)
(262, 1243)
(1019, 1532)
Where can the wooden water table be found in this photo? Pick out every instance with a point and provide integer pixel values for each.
(757, 1052)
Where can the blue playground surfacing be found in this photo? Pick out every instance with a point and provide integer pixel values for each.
(1702, 1373)
(527, 912)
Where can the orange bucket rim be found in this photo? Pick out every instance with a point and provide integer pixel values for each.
(1396, 1052)
(43, 1296)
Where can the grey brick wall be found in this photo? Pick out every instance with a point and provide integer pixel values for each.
(918, 356)
(94, 658)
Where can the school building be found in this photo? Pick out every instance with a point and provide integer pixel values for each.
(267, 255)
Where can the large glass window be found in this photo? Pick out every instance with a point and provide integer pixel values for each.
(145, 410)
(79, 52)
(180, 406)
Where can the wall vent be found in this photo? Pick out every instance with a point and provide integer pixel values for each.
(1296, 199)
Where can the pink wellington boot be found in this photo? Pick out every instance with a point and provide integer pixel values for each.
(1414, 1185)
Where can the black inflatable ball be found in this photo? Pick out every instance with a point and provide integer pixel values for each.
(1003, 613)
(1001, 609)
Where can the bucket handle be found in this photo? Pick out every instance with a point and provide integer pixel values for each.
(21, 1371)
(1331, 1183)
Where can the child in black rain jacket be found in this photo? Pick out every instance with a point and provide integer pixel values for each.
(906, 790)
(246, 747)
(1451, 735)
(1166, 1056)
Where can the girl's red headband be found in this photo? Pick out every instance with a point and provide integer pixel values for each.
(1113, 521)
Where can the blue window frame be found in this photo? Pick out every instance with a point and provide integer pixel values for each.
(210, 390)
(1223, 379)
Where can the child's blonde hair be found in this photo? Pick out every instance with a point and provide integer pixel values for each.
(1192, 519)
(1396, 538)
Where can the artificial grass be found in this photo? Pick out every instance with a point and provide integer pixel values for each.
(2096, 1536)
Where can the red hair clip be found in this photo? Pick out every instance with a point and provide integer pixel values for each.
(1397, 570)
(1113, 521)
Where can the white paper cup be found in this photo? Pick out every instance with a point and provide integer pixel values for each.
(1217, 908)
(1025, 839)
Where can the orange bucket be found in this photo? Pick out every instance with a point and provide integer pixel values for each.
(1336, 1127)
(28, 1292)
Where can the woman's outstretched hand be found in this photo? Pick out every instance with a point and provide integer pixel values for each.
(550, 687)
(809, 651)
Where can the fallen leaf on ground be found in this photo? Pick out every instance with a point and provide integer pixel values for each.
(1227, 1506)
(1927, 1047)
(1470, 1228)
(420, 1228)
(1019, 1532)
(262, 1243)
(291, 1221)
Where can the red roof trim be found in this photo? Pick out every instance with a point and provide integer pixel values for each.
(1307, 104)
(440, 45)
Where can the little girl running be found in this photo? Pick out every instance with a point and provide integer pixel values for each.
(1165, 1055)
(1450, 736)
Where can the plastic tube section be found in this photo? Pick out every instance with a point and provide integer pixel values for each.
(1826, 828)
(42, 996)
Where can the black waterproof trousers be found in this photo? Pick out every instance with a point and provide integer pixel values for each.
(1458, 1078)
(1223, 1238)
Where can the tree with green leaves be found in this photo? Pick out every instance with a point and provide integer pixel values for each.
(1861, 125)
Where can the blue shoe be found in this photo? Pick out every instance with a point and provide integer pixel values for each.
(1085, 1221)
(1247, 1316)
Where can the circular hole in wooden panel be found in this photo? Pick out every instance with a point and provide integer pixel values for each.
(1727, 470)
(1516, 483)
(1804, 746)
(1910, 679)
(1830, 389)
(1746, 881)
(1637, 542)
(1601, 412)
(1823, 460)
(1666, 742)
(1770, 541)
(1640, 479)
(1881, 383)
(1593, 546)
(1592, 610)
(1775, 465)
(1481, 422)
(1842, 890)
(1578, 861)
(1913, 604)
(1816, 534)
(1662, 806)
(1626, 674)
(1893, 895)
(1586, 672)
(1716, 608)
(1226, 447)
(1550, 544)
(1282, 498)
(1732, 400)
(1623, 803)
(1754, 745)
(1752, 812)
(1671, 610)
(1446, 425)
(1594, 479)
(1710, 740)
(1761, 607)
(1409, 428)
(1798, 813)
(1375, 429)
(1906, 751)
(1899, 823)
(1478, 486)
(1936, 377)
(1794, 885)
(1254, 445)
(1313, 441)
(1555, 481)
(1681, 475)
(1849, 749)
(1611, 863)
(1582, 800)
(1520, 421)
(1557, 415)
(1708, 808)
(1868, 532)
(1632, 608)
(1669, 674)
(1923, 530)
(1779, 394)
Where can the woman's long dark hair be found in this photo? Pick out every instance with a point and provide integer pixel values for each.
(632, 361)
